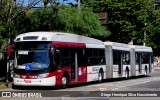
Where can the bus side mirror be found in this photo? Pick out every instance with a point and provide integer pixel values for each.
(52, 51)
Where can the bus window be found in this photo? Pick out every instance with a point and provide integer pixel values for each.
(145, 58)
(57, 58)
(115, 57)
(102, 57)
(89, 57)
(126, 58)
(137, 58)
(95, 57)
(82, 60)
(66, 57)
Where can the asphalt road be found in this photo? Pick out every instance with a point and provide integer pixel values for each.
(111, 89)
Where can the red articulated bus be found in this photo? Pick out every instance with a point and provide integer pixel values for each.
(56, 58)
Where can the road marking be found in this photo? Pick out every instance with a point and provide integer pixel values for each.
(103, 89)
(65, 97)
(86, 92)
(149, 80)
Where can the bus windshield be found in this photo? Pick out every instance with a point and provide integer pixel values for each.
(33, 54)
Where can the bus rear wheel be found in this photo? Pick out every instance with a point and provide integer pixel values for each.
(126, 74)
(100, 76)
(145, 73)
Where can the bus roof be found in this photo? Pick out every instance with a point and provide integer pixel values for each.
(127, 47)
(56, 36)
(139, 48)
(117, 46)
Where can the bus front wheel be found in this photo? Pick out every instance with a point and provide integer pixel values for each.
(65, 81)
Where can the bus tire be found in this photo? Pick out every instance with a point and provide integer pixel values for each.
(65, 81)
(100, 76)
(126, 74)
(14, 86)
(145, 73)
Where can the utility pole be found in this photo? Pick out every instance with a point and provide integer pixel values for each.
(144, 42)
(156, 5)
(79, 6)
(9, 42)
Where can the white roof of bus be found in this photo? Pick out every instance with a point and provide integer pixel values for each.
(117, 46)
(126, 47)
(139, 48)
(57, 36)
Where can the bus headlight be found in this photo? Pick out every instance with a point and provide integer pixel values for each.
(43, 75)
(16, 76)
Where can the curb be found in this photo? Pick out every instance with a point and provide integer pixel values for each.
(156, 68)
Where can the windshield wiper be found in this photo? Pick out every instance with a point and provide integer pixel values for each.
(36, 54)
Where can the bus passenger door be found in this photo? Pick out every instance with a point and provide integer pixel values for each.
(120, 66)
(150, 63)
(140, 63)
(74, 65)
(117, 60)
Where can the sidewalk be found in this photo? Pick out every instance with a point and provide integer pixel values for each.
(157, 67)
(3, 84)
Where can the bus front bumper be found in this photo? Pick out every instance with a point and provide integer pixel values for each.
(50, 81)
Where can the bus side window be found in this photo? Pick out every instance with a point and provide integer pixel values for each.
(66, 56)
(115, 57)
(101, 57)
(126, 58)
(57, 58)
(89, 57)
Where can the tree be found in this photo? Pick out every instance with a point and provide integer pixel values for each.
(45, 2)
(11, 12)
(66, 19)
(83, 23)
(16, 19)
(126, 18)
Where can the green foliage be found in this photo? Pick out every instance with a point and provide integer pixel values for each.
(6, 6)
(11, 18)
(82, 23)
(66, 19)
(16, 20)
(153, 36)
(126, 18)
(97, 5)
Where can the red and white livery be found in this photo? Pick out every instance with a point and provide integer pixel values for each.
(56, 58)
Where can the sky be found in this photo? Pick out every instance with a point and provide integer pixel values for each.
(74, 2)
